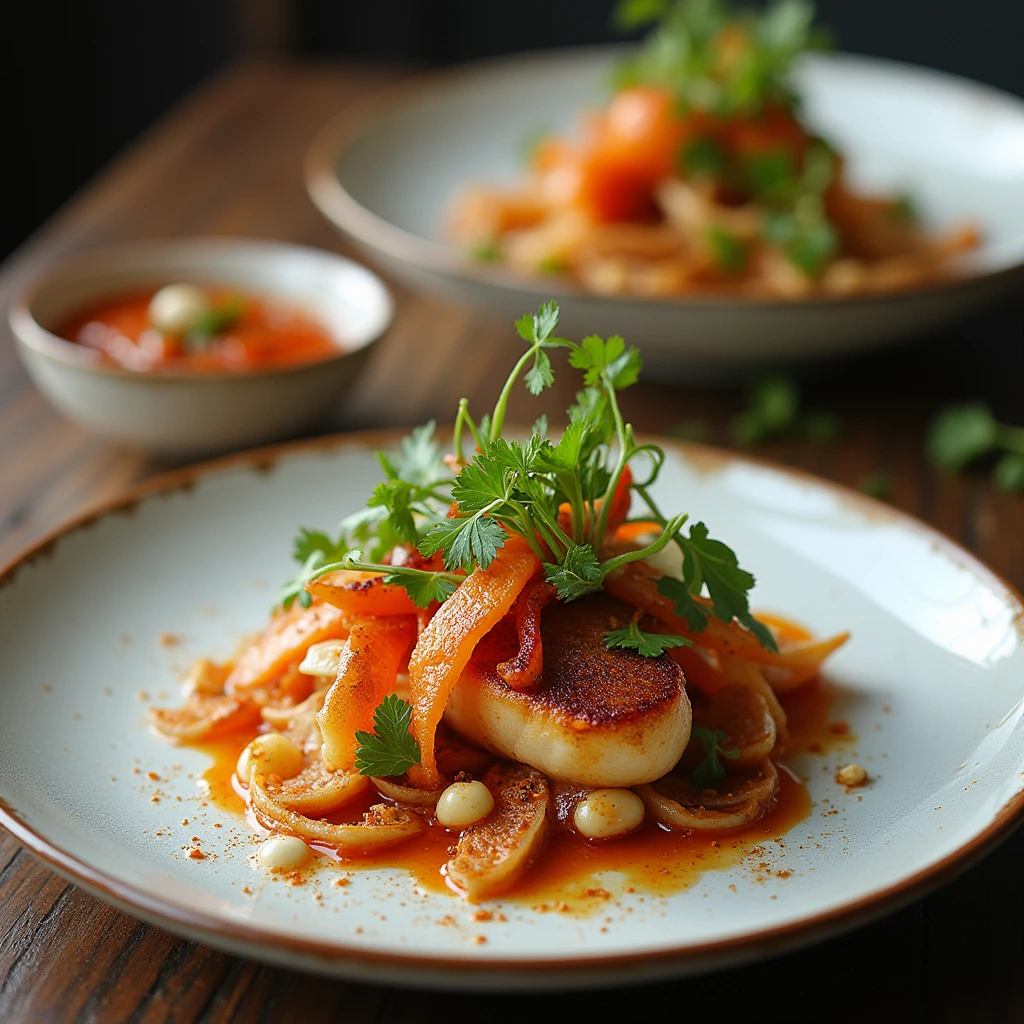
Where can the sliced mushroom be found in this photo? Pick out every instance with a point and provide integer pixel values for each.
(205, 717)
(382, 825)
(745, 718)
(676, 802)
(318, 790)
(492, 855)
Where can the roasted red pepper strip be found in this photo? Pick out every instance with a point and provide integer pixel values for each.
(523, 671)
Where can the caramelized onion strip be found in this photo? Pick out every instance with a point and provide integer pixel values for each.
(382, 825)
(205, 717)
(678, 804)
(318, 790)
(406, 794)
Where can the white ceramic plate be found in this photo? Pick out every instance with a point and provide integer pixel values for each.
(937, 639)
(386, 172)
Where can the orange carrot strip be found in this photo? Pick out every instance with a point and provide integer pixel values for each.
(636, 583)
(287, 638)
(446, 644)
(361, 593)
(369, 666)
(628, 533)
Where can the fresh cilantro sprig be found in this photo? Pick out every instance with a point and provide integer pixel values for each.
(962, 434)
(390, 749)
(709, 772)
(650, 645)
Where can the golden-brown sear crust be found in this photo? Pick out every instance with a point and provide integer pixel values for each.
(582, 678)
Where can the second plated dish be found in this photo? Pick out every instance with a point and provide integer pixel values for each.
(388, 173)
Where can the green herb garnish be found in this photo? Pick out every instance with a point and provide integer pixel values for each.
(650, 645)
(709, 773)
(962, 434)
(213, 322)
(717, 58)
(876, 485)
(728, 252)
(557, 496)
(774, 410)
(390, 749)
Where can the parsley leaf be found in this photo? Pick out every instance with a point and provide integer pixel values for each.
(577, 574)
(309, 541)
(390, 750)
(711, 563)
(612, 359)
(650, 645)
(420, 460)
(709, 773)
(465, 542)
(311, 549)
(540, 375)
(423, 588)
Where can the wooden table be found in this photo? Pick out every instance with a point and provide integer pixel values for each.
(228, 161)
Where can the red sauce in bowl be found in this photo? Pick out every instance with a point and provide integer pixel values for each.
(266, 334)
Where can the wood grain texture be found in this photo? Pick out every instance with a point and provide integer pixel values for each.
(228, 161)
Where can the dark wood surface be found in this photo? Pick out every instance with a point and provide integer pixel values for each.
(228, 161)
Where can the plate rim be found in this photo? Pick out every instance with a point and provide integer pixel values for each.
(496, 973)
(375, 234)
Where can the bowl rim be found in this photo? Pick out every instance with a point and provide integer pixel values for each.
(31, 335)
(376, 234)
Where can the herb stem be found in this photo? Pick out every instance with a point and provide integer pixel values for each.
(667, 535)
(625, 453)
(498, 419)
(387, 570)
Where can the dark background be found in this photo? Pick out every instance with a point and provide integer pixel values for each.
(82, 78)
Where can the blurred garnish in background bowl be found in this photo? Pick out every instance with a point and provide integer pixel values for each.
(702, 174)
(963, 434)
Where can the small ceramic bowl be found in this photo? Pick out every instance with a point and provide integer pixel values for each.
(195, 413)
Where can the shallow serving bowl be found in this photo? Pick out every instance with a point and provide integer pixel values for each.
(385, 175)
(187, 413)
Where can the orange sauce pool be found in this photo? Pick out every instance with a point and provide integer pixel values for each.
(268, 334)
(578, 875)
